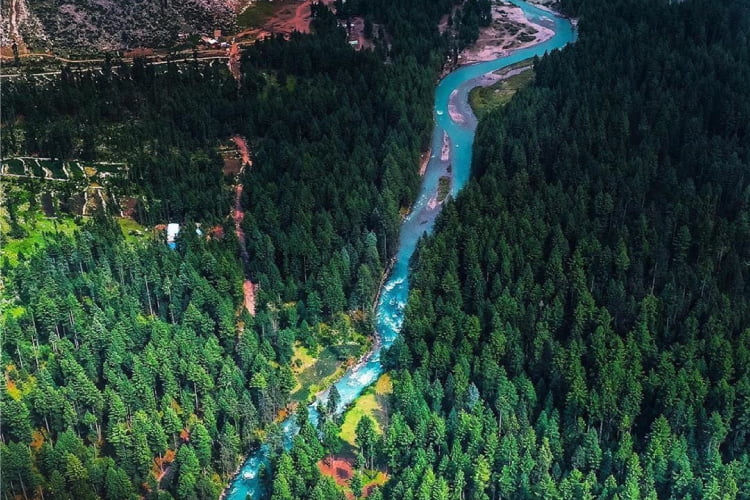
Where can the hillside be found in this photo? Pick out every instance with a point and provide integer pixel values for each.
(578, 323)
(131, 368)
(102, 25)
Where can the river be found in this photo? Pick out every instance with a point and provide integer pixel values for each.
(390, 307)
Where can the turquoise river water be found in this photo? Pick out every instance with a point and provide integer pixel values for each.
(390, 307)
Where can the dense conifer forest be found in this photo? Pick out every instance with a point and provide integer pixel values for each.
(578, 323)
(131, 369)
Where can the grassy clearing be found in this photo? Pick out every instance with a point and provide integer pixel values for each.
(257, 14)
(39, 226)
(131, 229)
(318, 374)
(366, 404)
(384, 385)
(301, 359)
(486, 99)
(370, 403)
(35, 228)
(316, 369)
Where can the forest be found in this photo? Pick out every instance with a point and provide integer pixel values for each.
(334, 135)
(578, 322)
(577, 325)
(131, 369)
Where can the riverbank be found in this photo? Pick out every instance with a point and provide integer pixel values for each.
(496, 89)
(510, 30)
(424, 159)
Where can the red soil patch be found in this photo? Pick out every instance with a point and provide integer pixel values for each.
(216, 232)
(241, 144)
(139, 52)
(341, 470)
(232, 166)
(338, 468)
(248, 287)
(127, 206)
(160, 465)
(234, 62)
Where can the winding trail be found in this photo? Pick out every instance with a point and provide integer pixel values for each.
(248, 288)
(451, 148)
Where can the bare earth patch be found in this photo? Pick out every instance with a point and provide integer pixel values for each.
(338, 468)
(248, 287)
(234, 64)
(241, 144)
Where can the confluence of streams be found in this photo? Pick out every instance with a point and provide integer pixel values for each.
(390, 307)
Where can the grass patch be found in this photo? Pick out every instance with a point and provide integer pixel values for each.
(257, 14)
(366, 404)
(369, 403)
(130, 228)
(301, 359)
(376, 478)
(35, 230)
(313, 378)
(486, 99)
(337, 346)
(328, 366)
(384, 385)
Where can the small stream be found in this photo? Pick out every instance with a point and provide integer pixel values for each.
(390, 307)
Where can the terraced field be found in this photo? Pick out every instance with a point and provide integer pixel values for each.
(60, 170)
